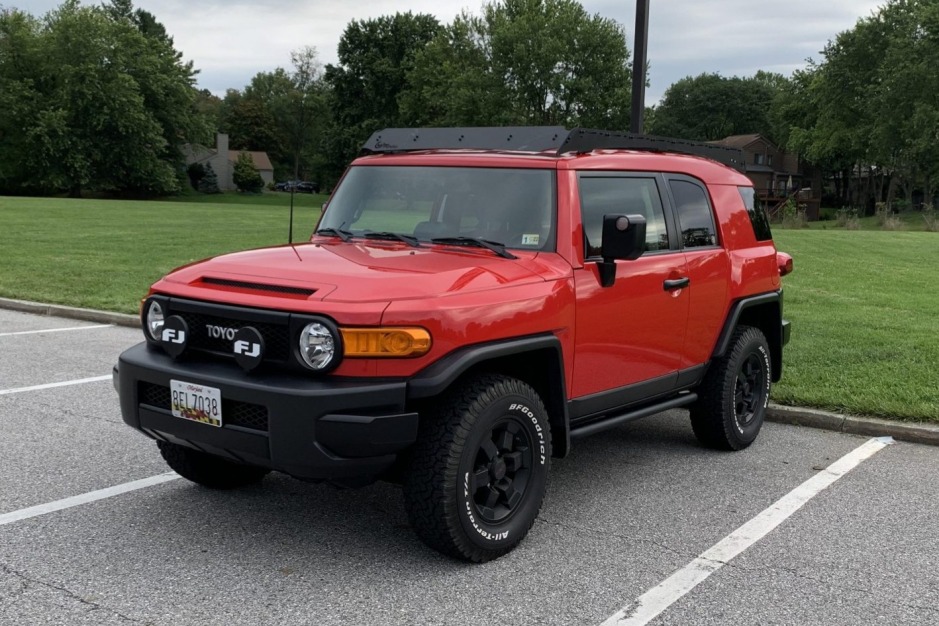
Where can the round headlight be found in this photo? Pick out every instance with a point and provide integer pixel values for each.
(154, 320)
(317, 346)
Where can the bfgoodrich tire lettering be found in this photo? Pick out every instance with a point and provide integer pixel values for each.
(480, 469)
(207, 470)
(734, 393)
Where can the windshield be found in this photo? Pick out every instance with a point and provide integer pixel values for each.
(514, 207)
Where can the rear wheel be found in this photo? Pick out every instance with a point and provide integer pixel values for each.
(734, 393)
(480, 469)
(208, 470)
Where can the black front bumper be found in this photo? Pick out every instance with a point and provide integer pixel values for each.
(339, 430)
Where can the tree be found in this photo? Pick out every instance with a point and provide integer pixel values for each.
(873, 104)
(209, 182)
(97, 102)
(452, 83)
(375, 57)
(543, 62)
(280, 112)
(245, 175)
(249, 122)
(305, 108)
(196, 172)
(710, 107)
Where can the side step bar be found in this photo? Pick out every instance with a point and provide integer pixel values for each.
(610, 422)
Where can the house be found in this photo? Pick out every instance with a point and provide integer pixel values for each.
(223, 161)
(777, 175)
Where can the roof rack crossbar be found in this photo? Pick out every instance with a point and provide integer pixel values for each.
(554, 139)
(585, 140)
(510, 138)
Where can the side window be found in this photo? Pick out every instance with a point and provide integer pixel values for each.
(758, 218)
(694, 214)
(601, 196)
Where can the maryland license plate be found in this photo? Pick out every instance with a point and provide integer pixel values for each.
(198, 403)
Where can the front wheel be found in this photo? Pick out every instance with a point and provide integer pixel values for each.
(734, 393)
(480, 469)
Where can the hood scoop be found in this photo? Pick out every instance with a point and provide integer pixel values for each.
(247, 286)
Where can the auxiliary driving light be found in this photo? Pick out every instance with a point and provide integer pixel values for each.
(154, 320)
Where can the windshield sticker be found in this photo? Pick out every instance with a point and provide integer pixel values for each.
(530, 240)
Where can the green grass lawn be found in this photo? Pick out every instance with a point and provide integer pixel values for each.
(865, 313)
(104, 254)
(864, 304)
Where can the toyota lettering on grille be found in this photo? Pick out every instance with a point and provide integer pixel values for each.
(220, 332)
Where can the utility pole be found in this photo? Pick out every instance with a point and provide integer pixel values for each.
(639, 66)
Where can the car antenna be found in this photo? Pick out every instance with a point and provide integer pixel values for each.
(293, 188)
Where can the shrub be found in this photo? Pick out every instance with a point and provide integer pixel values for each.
(793, 216)
(196, 172)
(848, 219)
(245, 176)
(930, 219)
(886, 218)
(209, 182)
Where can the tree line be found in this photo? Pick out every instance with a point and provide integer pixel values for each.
(97, 97)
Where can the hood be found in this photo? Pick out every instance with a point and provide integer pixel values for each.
(362, 271)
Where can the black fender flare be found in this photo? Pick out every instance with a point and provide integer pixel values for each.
(772, 328)
(437, 377)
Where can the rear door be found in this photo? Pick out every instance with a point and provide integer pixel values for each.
(707, 267)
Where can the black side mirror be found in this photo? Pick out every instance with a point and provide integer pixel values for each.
(624, 237)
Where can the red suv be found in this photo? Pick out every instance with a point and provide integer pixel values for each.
(471, 302)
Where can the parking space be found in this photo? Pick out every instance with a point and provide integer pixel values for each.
(624, 511)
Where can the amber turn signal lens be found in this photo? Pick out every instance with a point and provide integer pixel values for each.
(385, 342)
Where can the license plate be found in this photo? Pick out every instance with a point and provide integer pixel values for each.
(198, 403)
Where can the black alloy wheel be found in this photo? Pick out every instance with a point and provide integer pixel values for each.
(749, 391)
(733, 396)
(479, 470)
(502, 470)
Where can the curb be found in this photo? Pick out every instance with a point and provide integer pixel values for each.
(71, 312)
(913, 432)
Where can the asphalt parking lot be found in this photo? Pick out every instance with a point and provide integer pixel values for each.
(631, 516)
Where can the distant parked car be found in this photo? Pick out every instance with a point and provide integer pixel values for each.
(307, 187)
(297, 185)
(286, 185)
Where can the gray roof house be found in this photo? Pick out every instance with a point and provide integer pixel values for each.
(223, 161)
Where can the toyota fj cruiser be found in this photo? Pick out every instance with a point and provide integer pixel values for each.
(471, 301)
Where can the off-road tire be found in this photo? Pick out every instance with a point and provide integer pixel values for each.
(488, 428)
(734, 394)
(207, 470)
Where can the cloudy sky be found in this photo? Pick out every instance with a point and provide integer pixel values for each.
(231, 40)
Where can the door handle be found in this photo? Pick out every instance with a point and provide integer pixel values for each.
(678, 283)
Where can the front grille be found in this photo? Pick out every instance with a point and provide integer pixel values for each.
(276, 342)
(234, 412)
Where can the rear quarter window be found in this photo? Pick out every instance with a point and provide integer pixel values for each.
(694, 214)
(758, 217)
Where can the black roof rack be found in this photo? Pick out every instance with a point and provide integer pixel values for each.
(555, 139)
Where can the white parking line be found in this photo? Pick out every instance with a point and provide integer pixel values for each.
(55, 330)
(66, 383)
(650, 604)
(85, 498)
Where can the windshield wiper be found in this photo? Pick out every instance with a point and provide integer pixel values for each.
(495, 246)
(345, 235)
(408, 239)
